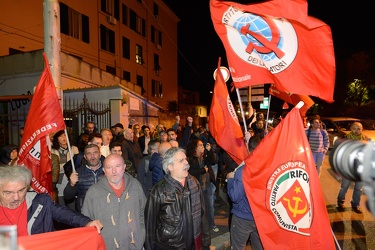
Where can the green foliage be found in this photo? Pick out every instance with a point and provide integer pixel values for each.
(357, 94)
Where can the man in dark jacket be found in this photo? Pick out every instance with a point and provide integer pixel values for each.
(84, 176)
(175, 212)
(156, 166)
(131, 150)
(33, 213)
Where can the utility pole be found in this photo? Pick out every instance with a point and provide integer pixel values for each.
(52, 42)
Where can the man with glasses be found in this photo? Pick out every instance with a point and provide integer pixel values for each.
(33, 213)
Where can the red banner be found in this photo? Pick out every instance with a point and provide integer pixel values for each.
(44, 117)
(292, 99)
(223, 121)
(77, 238)
(276, 42)
(283, 188)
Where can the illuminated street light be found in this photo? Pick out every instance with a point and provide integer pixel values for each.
(224, 72)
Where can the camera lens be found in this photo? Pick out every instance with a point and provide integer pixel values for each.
(346, 158)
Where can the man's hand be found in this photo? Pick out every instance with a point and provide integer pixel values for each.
(95, 223)
(230, 175)
(73, 179)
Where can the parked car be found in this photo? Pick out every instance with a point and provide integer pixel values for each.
(338, 127)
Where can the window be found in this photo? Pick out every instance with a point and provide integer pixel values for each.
(137, 23)
(111, 70)
(111, 7)
(157, 67)
(107, 39)
(74, 24)
(157, 90)
(156, 10)
(125, 14)
(126, 75)
(125, 48)
(156, 37)
(138, 54)
(140, 83)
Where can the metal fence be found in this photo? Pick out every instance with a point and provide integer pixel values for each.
(78, 112)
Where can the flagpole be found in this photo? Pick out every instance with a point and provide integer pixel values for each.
(334, 237)
(70, 150)
(242, 112)
(268, 111)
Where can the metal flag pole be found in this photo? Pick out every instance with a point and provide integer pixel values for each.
(70, 150)
(242, 112)
(268, 111)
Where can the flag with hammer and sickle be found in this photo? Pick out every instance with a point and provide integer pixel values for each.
(284, 192)
(276, 42)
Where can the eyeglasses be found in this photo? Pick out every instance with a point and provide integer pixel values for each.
(181, 160)
(11, 193)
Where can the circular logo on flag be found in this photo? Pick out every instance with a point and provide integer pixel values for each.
(262, 41)
(288, 196)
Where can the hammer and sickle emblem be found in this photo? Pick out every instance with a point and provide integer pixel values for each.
(295, 209)
(268, 46)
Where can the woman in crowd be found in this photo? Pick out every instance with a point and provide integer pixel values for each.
(60, 148)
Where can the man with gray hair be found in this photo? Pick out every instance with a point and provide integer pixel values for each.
(175, 209)
(33, 213)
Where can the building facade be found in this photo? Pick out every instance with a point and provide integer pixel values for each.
(104, 43)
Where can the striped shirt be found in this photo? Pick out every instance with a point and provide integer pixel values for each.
(318, 140)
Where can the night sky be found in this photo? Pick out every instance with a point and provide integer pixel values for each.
(200, 47)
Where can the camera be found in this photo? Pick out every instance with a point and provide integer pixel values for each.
(355, 161)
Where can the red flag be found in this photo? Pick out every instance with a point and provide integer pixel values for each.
(79, 238)
(44, 117)
(223, 122)
(292, 99)
(283, 188)
(276, 42)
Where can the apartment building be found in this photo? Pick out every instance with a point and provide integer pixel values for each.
(129, 44)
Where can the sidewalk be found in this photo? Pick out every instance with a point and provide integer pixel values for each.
(221, 240)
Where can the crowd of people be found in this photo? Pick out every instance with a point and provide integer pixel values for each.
(145, 186)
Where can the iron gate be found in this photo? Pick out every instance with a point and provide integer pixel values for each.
(78, 113)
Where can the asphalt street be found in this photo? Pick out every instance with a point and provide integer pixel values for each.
(351, 231)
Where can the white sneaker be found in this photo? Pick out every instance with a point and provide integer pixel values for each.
(215, 229)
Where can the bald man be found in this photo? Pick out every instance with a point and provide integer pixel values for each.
(156, 162)
(118, 200)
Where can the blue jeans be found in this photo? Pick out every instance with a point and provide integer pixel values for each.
(208, 193)
(357, 192)
(213, 186)
(318, 159)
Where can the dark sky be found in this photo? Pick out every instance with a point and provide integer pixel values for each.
(200, 47)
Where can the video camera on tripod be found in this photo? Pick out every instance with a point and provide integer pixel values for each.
(355, 161)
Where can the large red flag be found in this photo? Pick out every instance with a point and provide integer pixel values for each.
(283, 188)
(223, 121)
(79, 238)
(293, 99)
(276, 42)
(44, 117)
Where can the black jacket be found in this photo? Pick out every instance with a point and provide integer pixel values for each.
(198, 171)
(166, 213)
